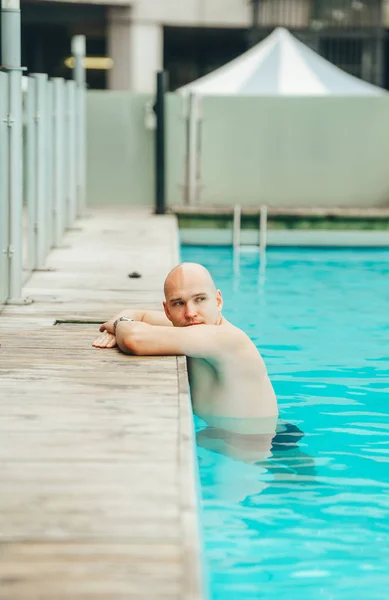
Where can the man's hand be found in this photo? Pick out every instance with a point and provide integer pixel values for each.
(106, 340)
(151, 317)
(108, 326)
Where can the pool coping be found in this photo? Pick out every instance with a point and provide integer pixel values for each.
(287, 237)
(284, 226)
(193, 568)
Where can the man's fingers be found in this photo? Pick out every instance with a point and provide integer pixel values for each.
(111, 340)
(102, 327)
(100, 341)
(107, 340)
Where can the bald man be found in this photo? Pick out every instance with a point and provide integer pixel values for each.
(230, 387)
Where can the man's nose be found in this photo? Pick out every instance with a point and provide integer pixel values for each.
(190, 310)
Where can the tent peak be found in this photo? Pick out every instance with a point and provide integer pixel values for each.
(280, 65)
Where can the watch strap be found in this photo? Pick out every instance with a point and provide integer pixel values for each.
(120, 319)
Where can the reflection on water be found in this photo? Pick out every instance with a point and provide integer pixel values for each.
(271, 458)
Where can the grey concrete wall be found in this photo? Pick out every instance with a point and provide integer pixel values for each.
(295, 151)
(120, 150)
(279, 151)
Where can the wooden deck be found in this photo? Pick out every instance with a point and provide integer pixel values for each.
(97, 469)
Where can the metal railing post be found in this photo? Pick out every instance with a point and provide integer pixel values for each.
(11, 57)
(263, 229)
(78, 51)
(30, 174)
(71, 154)
(160, 162)
(49, 149)
(40, 169)
(58, 159)
(4, 191)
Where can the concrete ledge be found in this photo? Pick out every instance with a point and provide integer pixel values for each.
(287, 237)
(286, 211)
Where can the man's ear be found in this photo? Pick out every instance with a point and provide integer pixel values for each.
(219, 300)
(167, 313)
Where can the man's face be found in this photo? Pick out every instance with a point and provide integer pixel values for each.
(190, 302)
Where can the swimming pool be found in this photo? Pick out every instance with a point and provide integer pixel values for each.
(313, 519)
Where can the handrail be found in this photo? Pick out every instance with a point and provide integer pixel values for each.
(236, 227)
(263, 229)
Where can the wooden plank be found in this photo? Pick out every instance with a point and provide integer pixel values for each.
(97, 469)
(111, 570)
(123, 445)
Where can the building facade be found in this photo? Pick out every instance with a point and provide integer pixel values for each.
(189, 38)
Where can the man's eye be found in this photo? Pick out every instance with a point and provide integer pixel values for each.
(178, 304)
(201, 298)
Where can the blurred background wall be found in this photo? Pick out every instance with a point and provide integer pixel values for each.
(127, 42)
(189, 38)
(278, 151)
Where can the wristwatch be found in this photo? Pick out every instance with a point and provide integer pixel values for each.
(121, 319)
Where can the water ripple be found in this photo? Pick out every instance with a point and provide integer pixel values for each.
(312, 519)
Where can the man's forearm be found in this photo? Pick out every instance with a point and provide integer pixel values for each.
(151, 317)
(131, 313)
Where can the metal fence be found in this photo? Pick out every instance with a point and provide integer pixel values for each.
(349, 33)
(42, 169)
(319, 14)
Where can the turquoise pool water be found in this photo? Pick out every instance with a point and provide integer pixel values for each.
(311, 520)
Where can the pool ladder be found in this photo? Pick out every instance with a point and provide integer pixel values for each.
(262, 230)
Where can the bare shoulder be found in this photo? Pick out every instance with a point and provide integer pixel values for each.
(241, 349)
(231, 329)
(234, 336)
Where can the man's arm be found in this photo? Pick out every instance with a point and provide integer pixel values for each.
(196, 341)
(152, 317)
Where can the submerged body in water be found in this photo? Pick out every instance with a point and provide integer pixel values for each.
(251, 448)
(245, 465)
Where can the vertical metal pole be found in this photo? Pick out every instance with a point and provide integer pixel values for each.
(192, 144)
(236, 227)
(11, 58)
(78, 51)
(263, 229)
(380, 41)
(253, 32)
(236, 244)
(30, 174)
(367, 60)
(160, 145)
(262, 243)
(10, 34)
(4, 189)
(71, 153)
(59, 159)
(49, 150)
(41, 195)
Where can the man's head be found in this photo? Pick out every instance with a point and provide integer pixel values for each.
(191, 296)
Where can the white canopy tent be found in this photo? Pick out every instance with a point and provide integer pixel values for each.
(280, 65)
